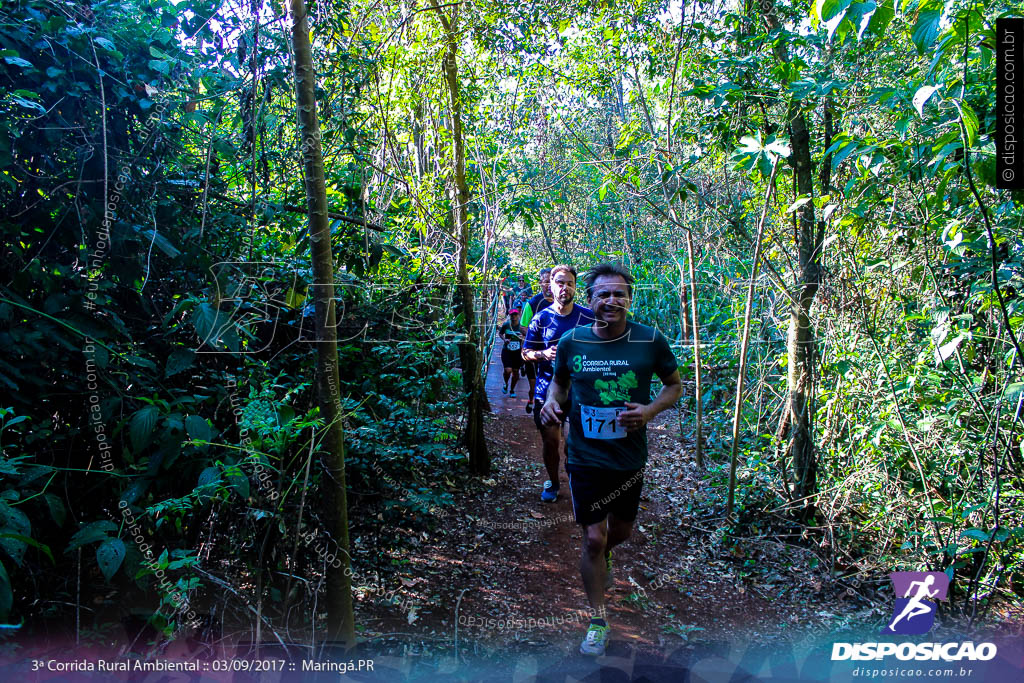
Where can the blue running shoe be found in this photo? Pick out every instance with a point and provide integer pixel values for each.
(550, 492)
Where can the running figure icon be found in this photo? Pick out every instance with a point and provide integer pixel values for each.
(916, 595)
(915, 607)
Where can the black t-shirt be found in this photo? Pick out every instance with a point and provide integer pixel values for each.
(604, 375)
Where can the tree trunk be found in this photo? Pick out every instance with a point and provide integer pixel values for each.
(745, 343)
(801, 347)
(472, 379)
(694, 308)
(801, 352)
(547, 239)
(684, 303)
(340, 620)
(698, 389)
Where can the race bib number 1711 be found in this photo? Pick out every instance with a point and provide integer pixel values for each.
(599, 423)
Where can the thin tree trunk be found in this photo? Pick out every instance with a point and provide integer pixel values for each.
(698, 389)
(801, 351)
(417, 138)
(742, 376)
(684, 302)
(547, 240)
(479, 458)
(340, 620)
(694, 308)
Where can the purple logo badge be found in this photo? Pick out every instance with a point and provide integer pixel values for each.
(916, 593)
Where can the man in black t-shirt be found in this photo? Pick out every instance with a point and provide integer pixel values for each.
(608, 367)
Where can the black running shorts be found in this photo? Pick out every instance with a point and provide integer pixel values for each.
(537, 405)
(598, 492)
(531, 369)
(511, 359)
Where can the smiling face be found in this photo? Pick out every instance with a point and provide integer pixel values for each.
(563, 287)
(610, 299)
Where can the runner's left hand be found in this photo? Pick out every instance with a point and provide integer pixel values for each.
(550, 414)
(634, 417)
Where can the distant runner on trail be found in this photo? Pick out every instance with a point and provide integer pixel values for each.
(512, 335)
(516, 300)
(538, 303)
(506, 294)
(608, 367)
(520, 294)
(541, 338)
(525, 290)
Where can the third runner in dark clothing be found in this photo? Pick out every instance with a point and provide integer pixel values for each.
(541, 339)
(539, 302)
(541, 299)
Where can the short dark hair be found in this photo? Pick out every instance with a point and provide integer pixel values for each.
(567, 268)
(542, 272)
(590, 277)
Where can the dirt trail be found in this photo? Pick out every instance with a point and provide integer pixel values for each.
(659, 583)
(501, 575)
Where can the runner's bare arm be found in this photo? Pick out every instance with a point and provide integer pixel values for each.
(558, 396)
(531, 335)
(639, 414)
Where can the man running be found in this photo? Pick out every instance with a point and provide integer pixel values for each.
(608, 367)
(511, 334)
(546, 328)
(535, 305)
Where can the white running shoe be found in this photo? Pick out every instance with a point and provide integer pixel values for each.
(596, 640)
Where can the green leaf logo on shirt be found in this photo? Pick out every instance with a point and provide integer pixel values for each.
(616, 390)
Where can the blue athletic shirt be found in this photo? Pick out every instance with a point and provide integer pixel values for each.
(546, 328)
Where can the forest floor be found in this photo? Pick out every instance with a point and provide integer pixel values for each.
(498, 580)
